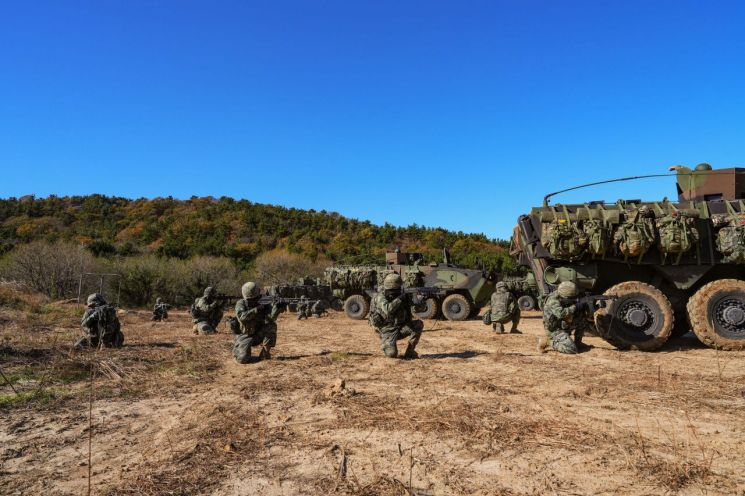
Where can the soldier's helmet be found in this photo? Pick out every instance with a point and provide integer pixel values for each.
(392, 281)
(158, 300)
(250, 290)
(500, 286)
(703, 166)
(95, 300)
(568, 289)
(209, 291)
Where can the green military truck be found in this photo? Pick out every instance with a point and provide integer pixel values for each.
(672, 266)
(462, 291)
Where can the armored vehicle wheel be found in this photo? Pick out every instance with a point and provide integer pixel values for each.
(641, 318)
(356, 307)
(526, 303)
(717, 314)
(431, 311)
(456, 307)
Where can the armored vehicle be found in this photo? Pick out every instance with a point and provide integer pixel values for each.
(462, 291)
(671, 266)
(525, 290)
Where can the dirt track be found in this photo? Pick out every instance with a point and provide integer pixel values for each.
(479, 413)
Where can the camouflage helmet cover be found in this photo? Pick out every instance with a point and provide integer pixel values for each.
(703, 166)
(250, 290)
(96, 299)
(500, 286)
(568, 289)
(392, 281)
(209, 291)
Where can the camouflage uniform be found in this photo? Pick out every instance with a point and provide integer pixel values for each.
(560, 318)
(504, 309)
(101, 325)
(206, 312)
(303, 312)
(390, 316)
(160, 310)
(257, 324)
(318, 308)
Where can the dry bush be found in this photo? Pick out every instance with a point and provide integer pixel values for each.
(52, 269)
(282, 267)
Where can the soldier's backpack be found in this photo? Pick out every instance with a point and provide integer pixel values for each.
(731, 238)
(598, 235)
(635, 236)
(565, 240)
(487, 318)
(677, 234)
(374, 318)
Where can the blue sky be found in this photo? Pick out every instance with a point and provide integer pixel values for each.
(455, 114)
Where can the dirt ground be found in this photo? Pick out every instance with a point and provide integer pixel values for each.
(478, 413)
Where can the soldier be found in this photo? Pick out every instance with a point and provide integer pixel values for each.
(560, 317)
(257, 324)
(101, 325)
(318, 308)
(160, 311)
(391, 317)
(504, 309)
(206, 312)
(302, 308)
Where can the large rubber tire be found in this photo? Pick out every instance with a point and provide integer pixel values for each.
(640, 318)
(456, 307)
(433, 308)
(356, 307)
(526, 303)
(717, 314)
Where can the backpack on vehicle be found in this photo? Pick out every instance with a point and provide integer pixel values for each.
(730, 238)
(635, 236)
(565, 240)
(598, 234)
(677, 234)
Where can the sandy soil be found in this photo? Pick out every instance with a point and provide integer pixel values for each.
(478, 413)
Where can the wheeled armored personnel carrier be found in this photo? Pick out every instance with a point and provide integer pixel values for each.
(672, 266)
(462, 292)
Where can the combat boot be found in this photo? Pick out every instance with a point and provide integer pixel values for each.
(410, 353)
(581, 346)
(265, 354)
(515, 330)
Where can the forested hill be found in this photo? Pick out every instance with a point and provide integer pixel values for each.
(238, 229)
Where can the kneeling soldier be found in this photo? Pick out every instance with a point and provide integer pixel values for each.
(390, 316)
(101, 325)
(160, 310)
(206, 312)
(504, 309)
(561, 316)
(257, 324)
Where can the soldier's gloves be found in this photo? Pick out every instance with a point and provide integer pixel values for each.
(573, 309)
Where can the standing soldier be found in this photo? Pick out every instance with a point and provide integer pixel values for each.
(206, 312)
(257, 324)
(561, 316)
(101, 325)
(391, 317)
(160, 311)
(504, 309)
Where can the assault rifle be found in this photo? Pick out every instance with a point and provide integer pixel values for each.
(424, 291)
(589, 303)
(265, 300)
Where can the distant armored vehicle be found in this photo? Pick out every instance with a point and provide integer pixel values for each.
(668, 263)
(462, 291)
(525, 290)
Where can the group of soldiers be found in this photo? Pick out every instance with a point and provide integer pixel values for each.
(254, 324)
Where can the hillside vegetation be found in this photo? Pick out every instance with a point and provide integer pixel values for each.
(224, 227)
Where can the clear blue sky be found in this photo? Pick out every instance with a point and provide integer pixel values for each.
(460, 114)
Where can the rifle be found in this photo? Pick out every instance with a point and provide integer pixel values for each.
(589, 303)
